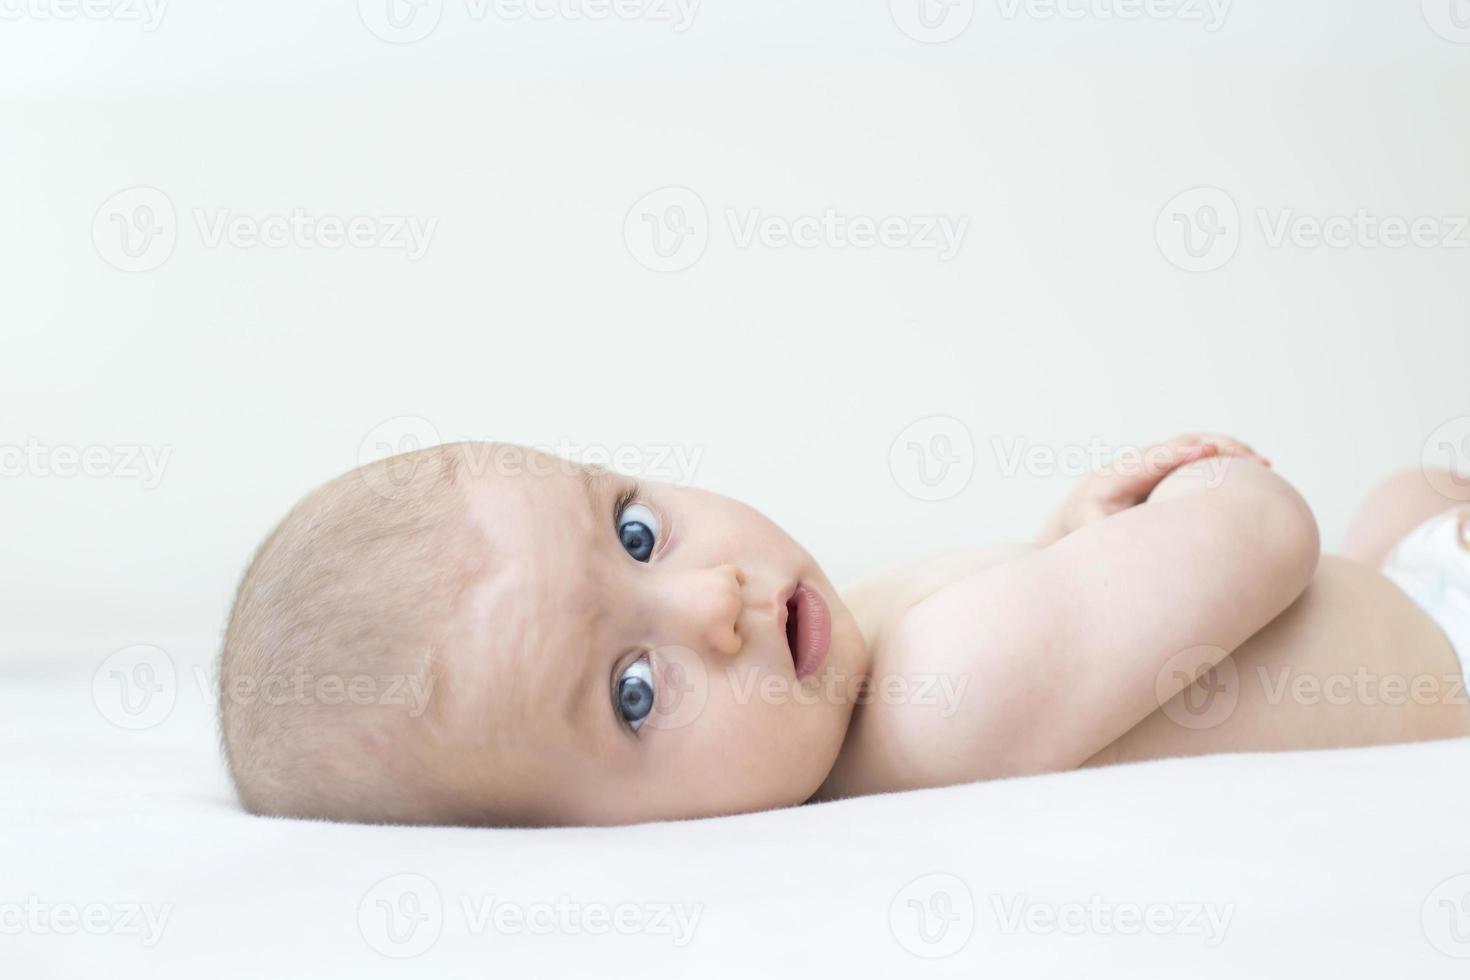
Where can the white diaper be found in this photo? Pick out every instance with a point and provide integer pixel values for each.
(1432, 564)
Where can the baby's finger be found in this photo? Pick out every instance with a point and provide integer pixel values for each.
(1159, 461)
(1230, 446)
(1224, 445)
(1243, 451)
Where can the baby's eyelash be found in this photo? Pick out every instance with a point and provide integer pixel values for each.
(624, 501)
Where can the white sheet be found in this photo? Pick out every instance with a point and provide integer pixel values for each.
(1328, 864)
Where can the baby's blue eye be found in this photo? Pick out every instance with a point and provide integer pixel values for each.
(638, 531)
(635, 693)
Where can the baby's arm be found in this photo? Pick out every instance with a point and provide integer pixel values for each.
(1063, 648)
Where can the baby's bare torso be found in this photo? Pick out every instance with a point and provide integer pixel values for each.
(1352, 662)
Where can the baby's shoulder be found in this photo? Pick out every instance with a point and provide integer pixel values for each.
(920, 688)
(881, 601)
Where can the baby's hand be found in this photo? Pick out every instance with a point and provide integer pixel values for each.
(1131, 476)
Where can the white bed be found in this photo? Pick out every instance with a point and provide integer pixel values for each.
(1310, 864)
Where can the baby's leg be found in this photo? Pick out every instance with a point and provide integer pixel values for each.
(1397, 506)
(1352, 662)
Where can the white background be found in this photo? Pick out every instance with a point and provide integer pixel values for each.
(790, 372)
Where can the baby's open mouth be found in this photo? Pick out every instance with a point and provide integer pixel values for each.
(808, 630)
(792, 618)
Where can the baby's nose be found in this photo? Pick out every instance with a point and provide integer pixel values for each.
(714, 601)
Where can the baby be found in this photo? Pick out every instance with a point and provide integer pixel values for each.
(479, 633)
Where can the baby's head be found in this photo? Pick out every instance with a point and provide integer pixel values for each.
(484, 634)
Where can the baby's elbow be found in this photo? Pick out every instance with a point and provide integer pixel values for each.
(1290, 535)
(1279, 527)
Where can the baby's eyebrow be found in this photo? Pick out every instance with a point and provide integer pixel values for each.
(581, 693)
(599, 484)
(594, 487)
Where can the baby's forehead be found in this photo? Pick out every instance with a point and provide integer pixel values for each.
(543, 535)
(521, 670)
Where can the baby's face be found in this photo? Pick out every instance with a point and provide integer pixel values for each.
(636, 651)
